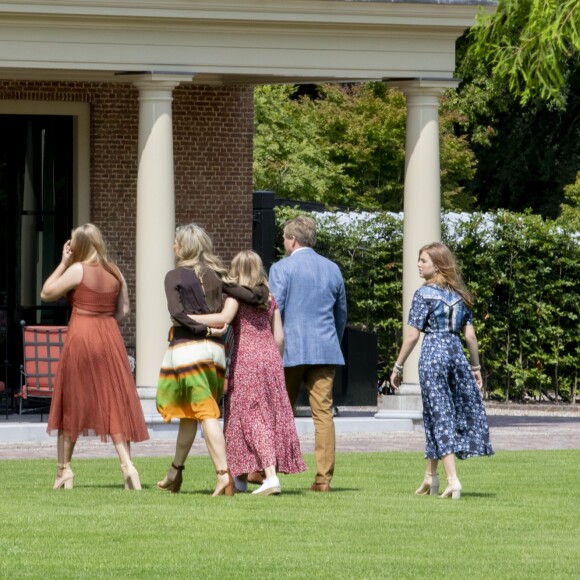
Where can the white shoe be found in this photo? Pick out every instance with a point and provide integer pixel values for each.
(271, 486)
(241, 485)
(430, 485)
(453, 489)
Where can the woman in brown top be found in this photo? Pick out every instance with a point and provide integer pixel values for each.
(94, 391)
(191, 380)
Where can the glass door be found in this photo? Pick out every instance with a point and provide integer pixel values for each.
(36, 154)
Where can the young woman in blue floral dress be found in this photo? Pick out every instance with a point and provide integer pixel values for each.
(453, 412)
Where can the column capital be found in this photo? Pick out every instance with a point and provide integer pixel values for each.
(153, 80)
(421, 86)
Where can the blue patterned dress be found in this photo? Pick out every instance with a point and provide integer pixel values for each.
(453, 412)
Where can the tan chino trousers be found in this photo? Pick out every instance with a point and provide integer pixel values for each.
(318, 380)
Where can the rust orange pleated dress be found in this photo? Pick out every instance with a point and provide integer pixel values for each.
(94, 391)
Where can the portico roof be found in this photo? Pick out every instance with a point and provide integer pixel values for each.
(233, 41)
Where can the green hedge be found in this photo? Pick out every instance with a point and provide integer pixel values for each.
(522, 270)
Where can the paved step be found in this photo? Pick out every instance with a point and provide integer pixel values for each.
(29, 430)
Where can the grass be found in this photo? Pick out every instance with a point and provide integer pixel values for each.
(518, 518)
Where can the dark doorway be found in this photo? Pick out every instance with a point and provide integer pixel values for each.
(36, 168)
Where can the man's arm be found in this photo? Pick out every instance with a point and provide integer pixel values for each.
(340, 311)
(278, 286)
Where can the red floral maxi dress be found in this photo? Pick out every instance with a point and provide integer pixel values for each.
(258, 420)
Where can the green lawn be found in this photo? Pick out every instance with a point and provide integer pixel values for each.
(519, 517)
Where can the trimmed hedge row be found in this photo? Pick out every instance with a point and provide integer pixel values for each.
(522, 270)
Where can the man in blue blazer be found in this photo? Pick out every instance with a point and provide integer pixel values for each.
(310, 293)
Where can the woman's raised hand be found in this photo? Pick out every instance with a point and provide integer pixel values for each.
(67, 252)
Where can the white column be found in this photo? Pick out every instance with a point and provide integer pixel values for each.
(422, 219)
(155, 227)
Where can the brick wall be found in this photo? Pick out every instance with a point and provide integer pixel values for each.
(213, 131)
(213, 163)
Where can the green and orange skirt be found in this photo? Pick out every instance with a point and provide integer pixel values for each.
(191, 380)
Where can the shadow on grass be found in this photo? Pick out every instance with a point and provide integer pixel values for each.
(286, 492)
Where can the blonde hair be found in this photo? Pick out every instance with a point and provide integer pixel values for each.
(447, 275)
(195, 251)
(87, 241)
(303, 228)
(247, 269)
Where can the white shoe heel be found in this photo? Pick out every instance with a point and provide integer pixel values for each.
(453, 489)
(430, 485)
(64, 477)
(131, 477)
(271, 486)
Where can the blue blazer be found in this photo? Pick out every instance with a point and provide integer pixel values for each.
(310, 293)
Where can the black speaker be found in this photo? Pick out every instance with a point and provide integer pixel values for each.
(355, 383)
(264, 227)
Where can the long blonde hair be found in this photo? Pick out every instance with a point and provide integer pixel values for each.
(87, 242)
(195, 252)
(447, 275)
(247, 269)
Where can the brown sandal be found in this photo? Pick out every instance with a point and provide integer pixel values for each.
(172, 485)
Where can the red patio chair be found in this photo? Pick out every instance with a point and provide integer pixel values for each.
(42, 347)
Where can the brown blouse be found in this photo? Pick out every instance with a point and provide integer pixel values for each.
(187, 294)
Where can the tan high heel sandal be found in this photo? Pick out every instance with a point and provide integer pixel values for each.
(453, 489)
(430, 485)
(131, 477)
(64, 477)
(172, 485)
(227, 489)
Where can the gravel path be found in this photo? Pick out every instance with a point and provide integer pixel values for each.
(516, 429)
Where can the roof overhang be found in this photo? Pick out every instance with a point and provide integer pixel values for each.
(232, 41)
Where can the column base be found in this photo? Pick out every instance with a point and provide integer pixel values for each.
(405, 407)
(148, 395)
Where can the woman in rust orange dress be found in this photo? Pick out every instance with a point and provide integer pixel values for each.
(94, 390)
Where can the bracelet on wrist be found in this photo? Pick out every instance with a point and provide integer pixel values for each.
(208, 331)
(398, 368)
(476, 368)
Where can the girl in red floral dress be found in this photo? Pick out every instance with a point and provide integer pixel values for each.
(259, 424)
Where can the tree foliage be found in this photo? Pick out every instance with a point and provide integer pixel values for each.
(570, 210)
(346, 147)
(290, 155)
(531, 44)
(526, 153)
(510, 135)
